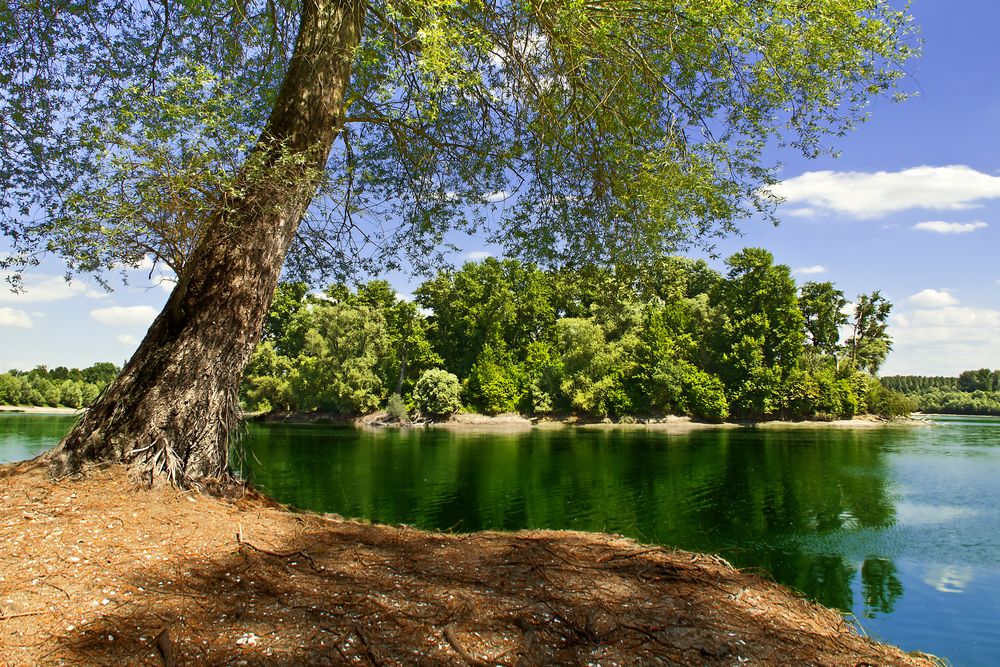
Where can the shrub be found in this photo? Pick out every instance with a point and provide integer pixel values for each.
(706, 395)
(397, 408)
(887, 402)
(437, 393)
(493, 385)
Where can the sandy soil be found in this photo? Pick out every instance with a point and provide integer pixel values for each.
(96, 571)
(35, 410)
(866, 421)
(670, 424)
(472, 422)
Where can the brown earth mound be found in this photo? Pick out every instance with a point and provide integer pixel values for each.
(94, 571)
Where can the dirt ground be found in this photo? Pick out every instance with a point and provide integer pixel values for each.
(96, 571)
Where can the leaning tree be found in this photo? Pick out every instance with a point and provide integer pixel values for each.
(229, 139)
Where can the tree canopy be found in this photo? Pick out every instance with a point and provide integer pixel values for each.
(679, 340)
(613, 130)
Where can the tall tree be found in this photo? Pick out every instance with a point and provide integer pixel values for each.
(761, 334)
(626, 128)
(822, 307)
(870, 342)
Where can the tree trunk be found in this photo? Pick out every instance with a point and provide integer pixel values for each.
(170, 412)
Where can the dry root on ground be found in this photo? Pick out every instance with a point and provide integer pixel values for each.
(93, 571)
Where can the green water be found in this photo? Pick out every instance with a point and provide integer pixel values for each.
(898, 526)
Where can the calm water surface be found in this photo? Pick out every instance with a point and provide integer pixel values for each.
(898, 526)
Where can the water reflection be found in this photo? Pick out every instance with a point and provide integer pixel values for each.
(949, 578)
(881, 586)
(24, 436)
(748, 495)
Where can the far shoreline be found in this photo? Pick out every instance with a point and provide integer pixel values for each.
(472, 422)
(40, 410)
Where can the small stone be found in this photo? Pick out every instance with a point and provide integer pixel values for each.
(248, 639)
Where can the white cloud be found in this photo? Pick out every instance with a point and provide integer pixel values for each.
(499, 196)
(874, 194)
(478, 255)
(126, 339)
(43, 288)
(943, 341)
(810, 270)
(960, 321)
(932, 298)
(125, 315)
(11, 317)
(940, 227)
(803, 212)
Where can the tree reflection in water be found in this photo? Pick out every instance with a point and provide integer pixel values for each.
(760, 498)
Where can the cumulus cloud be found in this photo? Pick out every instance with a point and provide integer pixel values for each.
(951, 324)
(126, 339)
(810, 270)
(943, 340)
(940, 227)
(478, 255)
(43, 288)
(11, 317)
(933, 298)
(875, 194)
(125, 315)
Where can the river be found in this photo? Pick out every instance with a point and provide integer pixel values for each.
(898, 527)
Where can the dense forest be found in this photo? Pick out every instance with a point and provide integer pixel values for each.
(60, 386)
(973, 392)
(503, 336)
(676, 337)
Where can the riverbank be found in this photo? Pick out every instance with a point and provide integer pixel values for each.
(94, 571)
(467, 421)
(471, 421)
(36, 410)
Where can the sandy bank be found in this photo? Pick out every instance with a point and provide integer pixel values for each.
(512, 422)
(669, 424)
(95, 571)
(36, 410)
(865, 421)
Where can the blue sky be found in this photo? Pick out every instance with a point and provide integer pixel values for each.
(911, 207)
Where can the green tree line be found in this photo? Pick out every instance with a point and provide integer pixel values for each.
(58, 387)
(673, 337)
(973, 392)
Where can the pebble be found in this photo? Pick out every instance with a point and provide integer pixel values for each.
(248, 639)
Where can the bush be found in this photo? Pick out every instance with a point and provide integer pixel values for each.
(493, 385)
(70, 394)
(888, 403)
(437, 393)
(706, 395)
(397, 408)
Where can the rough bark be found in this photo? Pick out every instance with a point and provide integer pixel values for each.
(170, 413)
